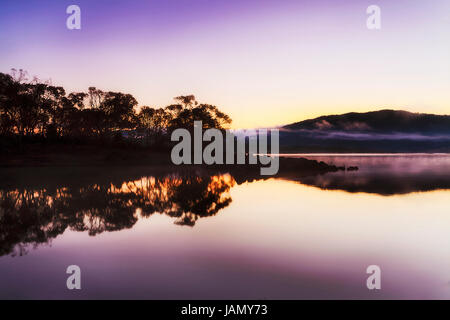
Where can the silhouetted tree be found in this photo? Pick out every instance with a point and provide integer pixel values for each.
(183, 116)
(36, 108)
(153, 123)
(187, 101)
(118, 109)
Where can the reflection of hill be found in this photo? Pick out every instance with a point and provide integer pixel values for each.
(383, 174)
(383, 184)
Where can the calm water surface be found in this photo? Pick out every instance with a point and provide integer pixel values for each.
(169, 236)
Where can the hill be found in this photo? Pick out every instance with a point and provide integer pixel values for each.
(377, 131)
(383, 121)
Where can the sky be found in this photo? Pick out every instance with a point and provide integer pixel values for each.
(263, 62)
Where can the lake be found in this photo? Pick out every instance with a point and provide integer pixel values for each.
(161, 235)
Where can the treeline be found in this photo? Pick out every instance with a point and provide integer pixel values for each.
(32, 109)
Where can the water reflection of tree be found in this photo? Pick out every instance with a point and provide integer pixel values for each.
(29, 217)
(186, 199)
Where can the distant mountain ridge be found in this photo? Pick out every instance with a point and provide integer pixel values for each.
(383, 121)
(377, 131)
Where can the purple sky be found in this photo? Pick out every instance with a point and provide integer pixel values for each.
(264, 62)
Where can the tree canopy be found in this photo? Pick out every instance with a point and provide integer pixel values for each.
(36, 108)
